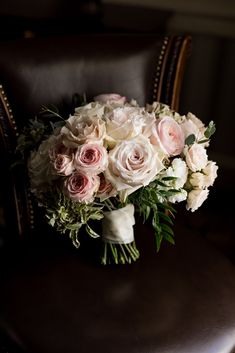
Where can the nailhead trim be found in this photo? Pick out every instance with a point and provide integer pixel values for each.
(9, 110)
(31, 211)
(29, 197)
(159, 66)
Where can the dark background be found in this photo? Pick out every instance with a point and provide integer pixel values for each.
(208, 86)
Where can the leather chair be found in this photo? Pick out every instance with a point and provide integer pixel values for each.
(55, 299)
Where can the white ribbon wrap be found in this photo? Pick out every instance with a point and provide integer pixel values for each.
(117, 226)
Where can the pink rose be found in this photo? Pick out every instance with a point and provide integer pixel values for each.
(63, 164)
(81, 188)
(110, 98)
(91, 158)
(168, 136)
(106, 189)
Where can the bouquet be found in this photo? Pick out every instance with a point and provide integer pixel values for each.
(112, 159)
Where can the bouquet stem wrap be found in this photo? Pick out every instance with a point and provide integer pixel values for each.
(118, 236)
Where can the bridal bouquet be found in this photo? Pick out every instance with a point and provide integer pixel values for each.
(111, 159)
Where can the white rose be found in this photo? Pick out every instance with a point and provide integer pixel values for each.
(196, 157)
(193, 125)
(159, 108)
(125, 123)
(132, 164)
(199, 124)
(190, 128)
(92, 110)
(83, 129)
(40, 167)
(110, 98)
(196, 198)
(178, 197)
(210, 172)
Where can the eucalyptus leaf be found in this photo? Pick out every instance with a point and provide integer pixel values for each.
(190, 140)
(210, 130)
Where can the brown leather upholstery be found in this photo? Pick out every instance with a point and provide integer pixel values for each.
(53, 298)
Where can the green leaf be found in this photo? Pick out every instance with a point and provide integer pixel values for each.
(167, 229)
(161, 183)
(203, 141)
(91, 232)
(190, 140)
(158, 240)
(146, 212)
(169, 178)
(169, 238)
(210, 130)
(165, 217)
(74, 236)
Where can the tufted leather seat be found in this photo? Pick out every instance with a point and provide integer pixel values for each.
(55, 299)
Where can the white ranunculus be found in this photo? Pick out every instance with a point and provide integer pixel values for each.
(179, 170)
(178, 197)
(196, 198)
(210, 172)
(197, 180)
(205, 178)
(81, 129)
(132, 164)
(196, 157)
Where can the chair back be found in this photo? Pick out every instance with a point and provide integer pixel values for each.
(46, 71)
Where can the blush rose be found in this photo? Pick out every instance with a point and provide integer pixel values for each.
(91, 158)
(168, 136)
(132, 164)
(196, 157)
(63, 164)
(81, 187)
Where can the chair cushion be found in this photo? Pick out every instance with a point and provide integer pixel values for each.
(55, 300)
(45, 71)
